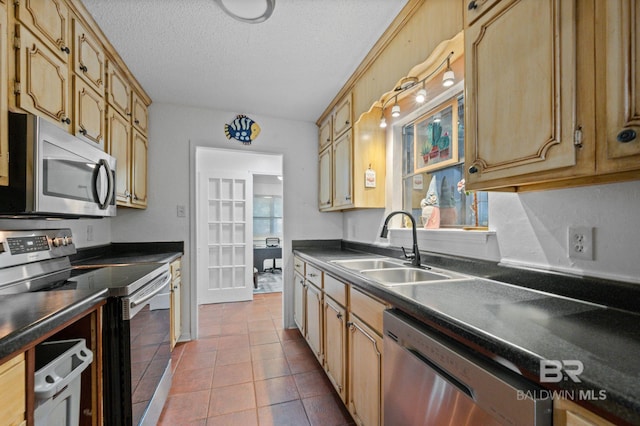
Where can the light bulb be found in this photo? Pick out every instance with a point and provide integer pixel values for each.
(448, 78)
(395, 111)
(421, 96)
(383, 123)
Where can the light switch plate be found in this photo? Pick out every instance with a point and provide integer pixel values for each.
(180, 210)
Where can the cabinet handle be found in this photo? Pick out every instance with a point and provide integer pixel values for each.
(312, 274)
(346, 122)
(136, 121)
(66, 120)
(65, 49)
(626, 136)
(135, 197)
(473, 169)
(83, 131)
(349, 324)
(339, 316)
(348, 197)
(472, 5)
(83, 68)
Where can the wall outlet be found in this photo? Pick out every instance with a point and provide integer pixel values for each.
(89, 232)
(580, 243)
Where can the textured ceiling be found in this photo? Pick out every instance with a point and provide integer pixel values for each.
(189, 52)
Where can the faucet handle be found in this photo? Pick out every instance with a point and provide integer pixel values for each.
(408, 256)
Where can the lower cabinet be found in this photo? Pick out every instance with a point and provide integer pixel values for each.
(335, 345)
(365, 373)
(567, 413)
(12, 391)
(343, 328)
(176, 301)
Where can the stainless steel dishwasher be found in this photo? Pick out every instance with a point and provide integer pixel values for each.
(429, 381)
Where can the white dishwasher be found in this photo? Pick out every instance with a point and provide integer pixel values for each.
(432, 382)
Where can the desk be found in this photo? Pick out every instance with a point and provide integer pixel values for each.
(262, 253)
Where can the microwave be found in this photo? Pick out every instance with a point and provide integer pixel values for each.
(53, 173)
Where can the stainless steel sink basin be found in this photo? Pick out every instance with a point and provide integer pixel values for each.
(403, 276)
(362, 264)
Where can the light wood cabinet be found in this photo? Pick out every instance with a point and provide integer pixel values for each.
(119, 136)
(365, 373)
(119, 92)
(313, 310)
(516, 126)
(13, 391)
(139, 170)
(325, 189)
(89, 113)
(325, 135)
(335, 345)
(4, 98)
(41, 83)
(49, 21)
(89, 62)
(176, 301)
(567, 413)
(299, 302)
(342, 171)
(474, 9)
(139, 113)
(619, 47)
(343, 116)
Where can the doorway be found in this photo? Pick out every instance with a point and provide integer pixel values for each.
(224, 221)
(267, 233)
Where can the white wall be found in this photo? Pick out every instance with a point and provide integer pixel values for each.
(172, 129)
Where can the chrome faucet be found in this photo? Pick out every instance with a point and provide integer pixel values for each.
(415, 256)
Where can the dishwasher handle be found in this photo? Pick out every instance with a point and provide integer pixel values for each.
(442, 373)
(148, 295)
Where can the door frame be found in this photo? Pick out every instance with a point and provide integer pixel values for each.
(194, 149)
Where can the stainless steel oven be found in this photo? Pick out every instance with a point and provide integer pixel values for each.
(431, 381)
(136, 350)
(53, 173)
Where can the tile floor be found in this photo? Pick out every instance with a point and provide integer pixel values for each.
(246, 370)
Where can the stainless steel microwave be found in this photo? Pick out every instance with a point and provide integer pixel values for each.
(53, 173)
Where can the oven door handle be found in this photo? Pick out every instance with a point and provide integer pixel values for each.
(136, 302)
(110, 185)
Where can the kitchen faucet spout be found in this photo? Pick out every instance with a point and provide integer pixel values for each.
(415, 256)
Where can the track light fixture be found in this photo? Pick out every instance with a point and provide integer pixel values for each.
(408, 83)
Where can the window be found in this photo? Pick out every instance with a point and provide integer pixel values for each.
(267, 216)
(433, 158)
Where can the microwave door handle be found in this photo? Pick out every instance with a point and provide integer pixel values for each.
(110, 184)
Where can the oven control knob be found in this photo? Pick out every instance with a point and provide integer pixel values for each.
(69, 240)
(56, 242)
(64, 241)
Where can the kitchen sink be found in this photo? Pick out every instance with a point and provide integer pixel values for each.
(403, 276)
(362, 264)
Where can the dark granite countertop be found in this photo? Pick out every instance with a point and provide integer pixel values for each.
(119, 253)
(518, 326)
(26, 317)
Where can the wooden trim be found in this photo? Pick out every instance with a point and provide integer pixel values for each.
(394, 28)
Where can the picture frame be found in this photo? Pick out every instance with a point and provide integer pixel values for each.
(436, 138)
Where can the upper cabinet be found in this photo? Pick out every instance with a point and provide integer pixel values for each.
(4, 98)
(347, 152)
(89, 62)
(551, 93)
(619, 51)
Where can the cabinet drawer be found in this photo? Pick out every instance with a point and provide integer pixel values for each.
(314, 275)
(337, 290)
(367, 309)
(298, 265)
(12, 390)
(473, 9)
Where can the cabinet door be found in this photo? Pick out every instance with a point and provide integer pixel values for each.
(44, 81)
(324, 191)
(176, 325)
(89, 113)
(335, 345)
(88, 57)
(324, 135)
(139, 170)
(118, 90)
(119, 146)
(342, 119)
(12, 391)
(567, 413)
(139, 111)
(520, 79)
(622, 151)
(365, 373)
(314, 320)
(299, 303)
(342, 171)
(4, 96)
(49, 21)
